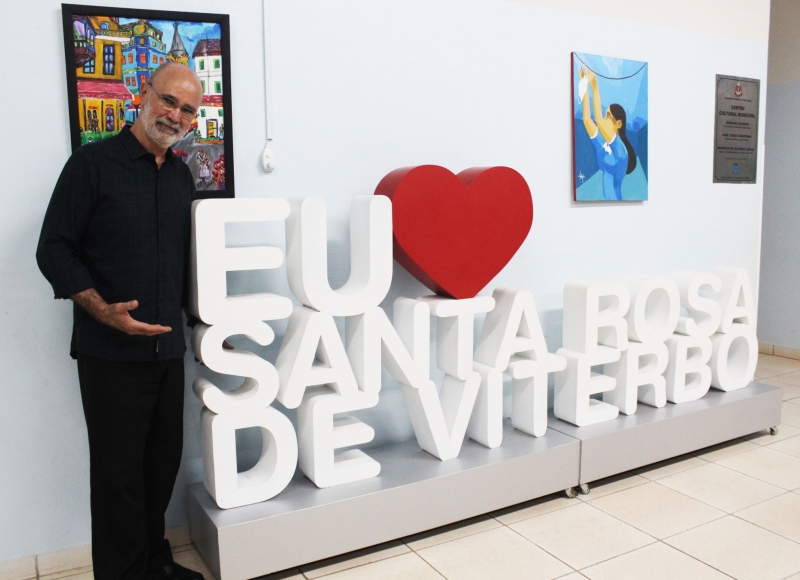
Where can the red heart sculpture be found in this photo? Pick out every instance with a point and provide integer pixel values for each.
(455, 233)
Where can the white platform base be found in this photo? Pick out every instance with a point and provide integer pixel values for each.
(651, 435)
(416, 492)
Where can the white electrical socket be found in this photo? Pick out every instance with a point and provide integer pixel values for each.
(267, 160)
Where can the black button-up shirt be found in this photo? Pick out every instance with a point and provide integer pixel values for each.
(119, 224)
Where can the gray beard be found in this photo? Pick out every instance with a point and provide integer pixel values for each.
(152, 132)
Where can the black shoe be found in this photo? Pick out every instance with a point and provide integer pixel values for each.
(175, 571)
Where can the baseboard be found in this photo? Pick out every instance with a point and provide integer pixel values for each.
(774, 349)
(70, 558)
(787, 352)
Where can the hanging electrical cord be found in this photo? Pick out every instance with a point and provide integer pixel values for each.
(267, 159)
(604, 76)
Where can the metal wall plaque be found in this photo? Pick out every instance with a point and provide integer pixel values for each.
(736, 130)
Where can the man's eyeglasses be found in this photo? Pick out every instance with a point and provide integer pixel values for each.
(170, 104)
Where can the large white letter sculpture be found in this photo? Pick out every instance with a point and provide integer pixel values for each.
(688, 376)
(652, 316)
(735, 346)
(595, 333)
(512, 341)
(312, 353)
(223, 316)
(650, 353)
(440, 419)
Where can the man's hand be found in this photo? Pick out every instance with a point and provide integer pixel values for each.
(116, 315)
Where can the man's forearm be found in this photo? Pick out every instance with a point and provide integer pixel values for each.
(92, 303)
(116, 315)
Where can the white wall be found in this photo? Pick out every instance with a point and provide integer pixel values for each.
(779, 307)
(741, 19)
(362, 87)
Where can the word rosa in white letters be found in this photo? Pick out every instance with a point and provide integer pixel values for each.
(652, 354)
(635, 328)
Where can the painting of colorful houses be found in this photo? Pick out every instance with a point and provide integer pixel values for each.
(112, 56)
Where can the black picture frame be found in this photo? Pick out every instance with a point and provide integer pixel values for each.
(211, 168)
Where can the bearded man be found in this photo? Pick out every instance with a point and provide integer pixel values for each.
(116, 240)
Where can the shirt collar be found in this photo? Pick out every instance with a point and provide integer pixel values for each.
(136, 149)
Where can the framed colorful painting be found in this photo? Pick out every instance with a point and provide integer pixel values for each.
(112, 52)
(609, 128)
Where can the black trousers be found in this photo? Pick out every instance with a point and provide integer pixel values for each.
(134, 416)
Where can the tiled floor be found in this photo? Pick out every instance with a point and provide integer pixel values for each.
(730, 511)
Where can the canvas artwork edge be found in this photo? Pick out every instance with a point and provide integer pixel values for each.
(605, 186)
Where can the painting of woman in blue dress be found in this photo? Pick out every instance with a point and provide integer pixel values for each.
(610, 145)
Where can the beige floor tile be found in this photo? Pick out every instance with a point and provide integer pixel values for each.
(613, 484)
(353, 559)
(765, 438)
(789, 391)
(727, 449)
(657, 510)
(573, 576)
(769, 371)
(534, 508)
(582, 535)
(194, 561)
(71, 574)
(780, 515)
(794, 577)
(178, 536)
(781, 362)
(790, 414)
(795, 401)
(403, 567)
(722, 488)
(670, 467)
(77, 576)
(18, 568)
(63, 560)
(790, 446)
(451, 532)
(771, 366)
(767, 465)
(763, 371)
(765, 348)
(740, 549)
(497, 554)
(654, 562)
(792, 378)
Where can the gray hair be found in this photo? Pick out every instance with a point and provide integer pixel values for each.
(169, 65)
